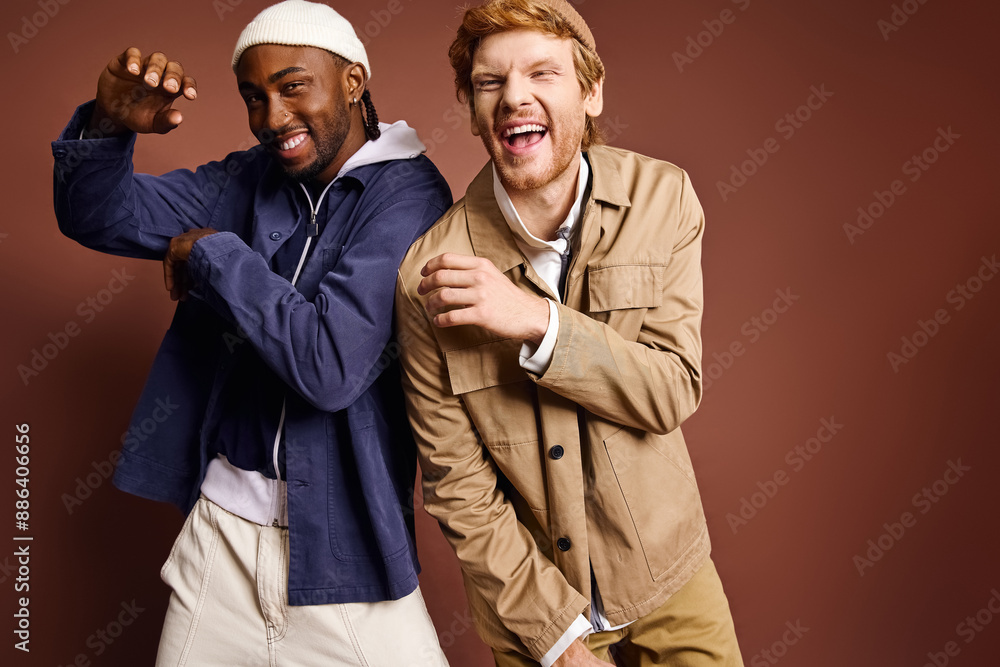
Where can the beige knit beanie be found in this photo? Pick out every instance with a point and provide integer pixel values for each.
(576, 23)
(301, 23)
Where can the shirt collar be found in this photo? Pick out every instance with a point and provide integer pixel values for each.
(513, 219)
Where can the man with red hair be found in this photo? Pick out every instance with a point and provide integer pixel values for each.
(550, 326)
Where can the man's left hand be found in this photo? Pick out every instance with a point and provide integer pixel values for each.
(175, 274)
(577, 655)
(472, 291)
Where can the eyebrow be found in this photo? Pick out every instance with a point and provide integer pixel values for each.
(288, 70)
(484, 71)
(489, 70)
(246, 85)
(544, 62)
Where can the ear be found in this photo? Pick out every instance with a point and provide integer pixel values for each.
(474, 126)
(593, 102)
(355, 81)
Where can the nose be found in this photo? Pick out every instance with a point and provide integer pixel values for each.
(277, 118)
(516, 93)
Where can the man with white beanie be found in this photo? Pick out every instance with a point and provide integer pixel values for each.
(288, 447)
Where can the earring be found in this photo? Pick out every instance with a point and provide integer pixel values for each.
(355, 101)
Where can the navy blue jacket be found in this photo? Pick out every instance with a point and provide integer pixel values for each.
(349, 454)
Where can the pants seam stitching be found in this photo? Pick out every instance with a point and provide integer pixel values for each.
(203, 593)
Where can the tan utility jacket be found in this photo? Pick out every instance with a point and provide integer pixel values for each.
(537, 478)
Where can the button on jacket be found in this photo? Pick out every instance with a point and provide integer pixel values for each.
(536, 479)
(349, 455)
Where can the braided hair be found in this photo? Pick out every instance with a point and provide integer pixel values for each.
(368, 114)
(371, 117)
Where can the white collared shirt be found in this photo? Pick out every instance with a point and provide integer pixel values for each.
(545, 258)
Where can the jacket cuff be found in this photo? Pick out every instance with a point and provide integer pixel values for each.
(71, 147)
(537, 360)
(208, 250)
(581, 628)
(557, 628)
(559, 356)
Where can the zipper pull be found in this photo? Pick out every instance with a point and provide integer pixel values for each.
(312, 229)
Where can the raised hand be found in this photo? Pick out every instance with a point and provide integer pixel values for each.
(136, 93)
(470, 290)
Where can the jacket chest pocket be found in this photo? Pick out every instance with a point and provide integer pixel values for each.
(331, 256)
(620, 295)
(502, 402)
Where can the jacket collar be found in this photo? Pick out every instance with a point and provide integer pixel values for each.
(608, 185)
(488, 230)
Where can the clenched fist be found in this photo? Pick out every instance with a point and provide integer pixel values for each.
(471, 290)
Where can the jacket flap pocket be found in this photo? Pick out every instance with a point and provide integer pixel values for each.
(484, 365)
(331, 256)
(625, 286)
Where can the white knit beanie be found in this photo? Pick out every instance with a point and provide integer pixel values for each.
(301, 23)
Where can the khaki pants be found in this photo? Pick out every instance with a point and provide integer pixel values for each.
(229, 607)
(693, 629)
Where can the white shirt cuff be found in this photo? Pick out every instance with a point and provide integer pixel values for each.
(581, 628)
(538, 360)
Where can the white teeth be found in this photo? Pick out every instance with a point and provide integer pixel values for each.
(522, 129)
(292, 143)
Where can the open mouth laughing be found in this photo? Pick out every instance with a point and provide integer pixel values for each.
(522, 136)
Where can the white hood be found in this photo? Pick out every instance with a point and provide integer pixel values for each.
(399, 141)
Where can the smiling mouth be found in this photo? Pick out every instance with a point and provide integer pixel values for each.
(290, 146)
(523, 136)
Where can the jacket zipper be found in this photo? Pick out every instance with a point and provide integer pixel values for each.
(312, 231)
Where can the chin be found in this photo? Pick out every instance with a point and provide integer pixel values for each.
(526, 173)
(306, 173)
(520, 180)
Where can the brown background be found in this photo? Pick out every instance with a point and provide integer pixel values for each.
(826, 357)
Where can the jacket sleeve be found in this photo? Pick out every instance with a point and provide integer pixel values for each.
(654, 382)
(324, 348)
(102, 204)
(500, 560)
